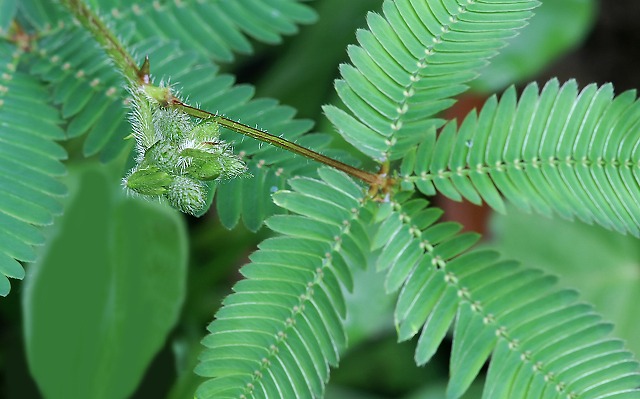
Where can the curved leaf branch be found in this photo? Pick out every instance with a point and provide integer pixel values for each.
(30, 165)
(565, 151)
(543, 342)
(282, 327)
(411, 62)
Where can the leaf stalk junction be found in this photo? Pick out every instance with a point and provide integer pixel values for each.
(140, 76)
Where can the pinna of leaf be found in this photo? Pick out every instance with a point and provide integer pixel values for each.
(176, 157)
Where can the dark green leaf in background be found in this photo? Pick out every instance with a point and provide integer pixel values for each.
(101, 300)
(557, 27)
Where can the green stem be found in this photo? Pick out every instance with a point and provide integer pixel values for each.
(105, 37)
(367, 177)
(137, 76)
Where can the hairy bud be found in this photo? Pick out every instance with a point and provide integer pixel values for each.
(148, 181)
(201, 164)
(186, 195)
(205, 132)
(175, 156)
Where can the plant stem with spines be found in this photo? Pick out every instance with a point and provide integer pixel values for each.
(107, 39)
(140, 76)
(230, 124)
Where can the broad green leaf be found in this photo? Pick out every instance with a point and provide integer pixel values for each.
(101, 300)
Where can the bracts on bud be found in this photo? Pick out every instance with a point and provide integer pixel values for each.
(176, 156)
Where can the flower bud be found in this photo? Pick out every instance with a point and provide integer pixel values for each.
(171, 124)
(233, 166)
(164, 155)
(186, 195)
(202, 165)
(175, 156)
(148, 181)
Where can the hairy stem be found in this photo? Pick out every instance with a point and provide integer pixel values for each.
(140, 76)
(257, 134)
(105, 37)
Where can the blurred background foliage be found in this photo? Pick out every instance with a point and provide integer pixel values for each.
(594, 42)
(603, 265)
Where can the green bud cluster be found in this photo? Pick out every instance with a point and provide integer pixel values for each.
(149, 181)
(176, 157)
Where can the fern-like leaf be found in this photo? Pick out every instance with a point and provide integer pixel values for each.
(543, 342)
(412, 62)
(29, 165)
(565, 151)
(277, 334)
(214, 29)
(87, 88)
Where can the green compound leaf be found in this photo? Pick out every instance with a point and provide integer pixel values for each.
(411, 62)
(87, 88)
(282, 328)
(542, 341)
(122, 262)
(214, 29)
(42, 14)
(559, 150)
(30, 166)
